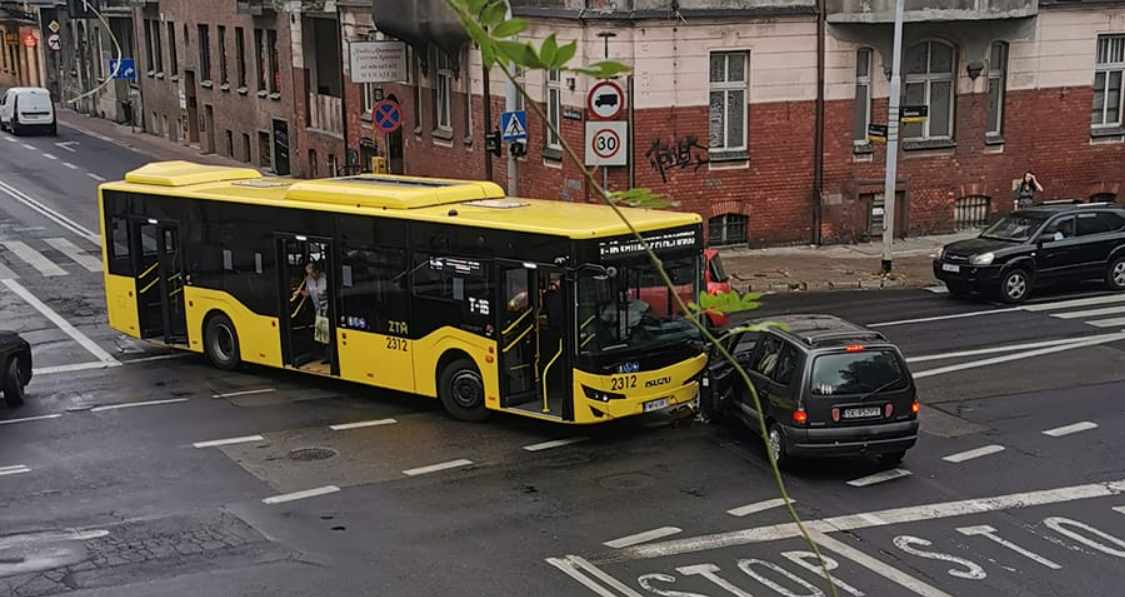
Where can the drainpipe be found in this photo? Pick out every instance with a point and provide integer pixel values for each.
(818, 150)
(343, 88)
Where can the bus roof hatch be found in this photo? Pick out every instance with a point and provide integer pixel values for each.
(391, 192)
(181, 174)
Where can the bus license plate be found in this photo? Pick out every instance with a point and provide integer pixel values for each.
(652, 405)
(951, 268)
(862, 413)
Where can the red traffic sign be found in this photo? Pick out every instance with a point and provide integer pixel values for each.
(606, 100)
(387, 116)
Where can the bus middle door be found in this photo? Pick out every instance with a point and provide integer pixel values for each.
(518, 329)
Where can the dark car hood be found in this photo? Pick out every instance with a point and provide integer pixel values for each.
(10, 338)
(976, 246)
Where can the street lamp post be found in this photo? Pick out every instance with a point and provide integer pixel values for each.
(892, 143)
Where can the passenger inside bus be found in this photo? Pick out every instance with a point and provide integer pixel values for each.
(311, 298)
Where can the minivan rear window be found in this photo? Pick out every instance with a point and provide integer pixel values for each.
(857, 373)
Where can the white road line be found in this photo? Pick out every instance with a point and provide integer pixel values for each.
(644, 537)
(756, 507)
(1008, 348)
(95, 177)
(62, 324)
(30, 419)
(361, 424)
(1089, 313)
(1104, 339)
(14, 470)
(558, 443)
(75, 254)
(880, 477)
(433, 468)
(229, 441)
(880, 518)
(71, 368)
(245, 393)
(1085, 302)
(7, 274)
(50, 156)
(890, 573)
(989, 533)
(1119, 509)
(887, 324)
(69, 165)
(938, 289)
(34, 258)
(1069, 429)
(98, 409)
(26, 146)
(10, 139)
(300, 495)
(68, 146)
(975, 453)
(1108, 323)
(50, 213)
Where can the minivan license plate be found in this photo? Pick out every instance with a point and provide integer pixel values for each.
(652, 405)
(861, 413)
(951, 268)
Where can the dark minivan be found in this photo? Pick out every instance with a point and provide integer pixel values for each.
(828, 388)
(15, 367)
(1046, 244)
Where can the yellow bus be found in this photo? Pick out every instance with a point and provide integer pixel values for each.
(443, 288)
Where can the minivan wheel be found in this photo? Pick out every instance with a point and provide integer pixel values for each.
(1115, 274)
(775, 443)
(1015, 286)
(13, 384)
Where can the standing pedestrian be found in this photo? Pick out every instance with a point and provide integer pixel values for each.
(1025, 192)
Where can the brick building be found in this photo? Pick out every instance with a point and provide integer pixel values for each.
(20, 60)
(724, 104)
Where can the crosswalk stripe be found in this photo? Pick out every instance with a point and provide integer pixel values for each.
(34, 258)
(1089, 313)
(1097, 300)
(7, 274)
(1108, 323)
(69, 249)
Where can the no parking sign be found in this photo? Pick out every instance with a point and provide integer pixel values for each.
(387, 116)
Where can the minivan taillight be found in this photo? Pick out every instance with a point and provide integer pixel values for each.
(915, 407)
(800, 417)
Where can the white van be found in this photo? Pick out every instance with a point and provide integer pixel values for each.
(28, 109)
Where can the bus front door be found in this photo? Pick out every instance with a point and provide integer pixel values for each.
(308, 320)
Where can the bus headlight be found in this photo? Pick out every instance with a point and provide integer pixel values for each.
(601, 396)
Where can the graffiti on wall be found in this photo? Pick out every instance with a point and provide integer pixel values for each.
(681, 153)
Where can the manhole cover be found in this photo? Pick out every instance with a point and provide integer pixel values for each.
(307, 454)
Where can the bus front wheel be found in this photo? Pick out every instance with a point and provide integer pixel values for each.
(461, 390)
(221, 343)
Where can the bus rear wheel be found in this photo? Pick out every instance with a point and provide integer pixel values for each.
(220, 343)
(461, 390)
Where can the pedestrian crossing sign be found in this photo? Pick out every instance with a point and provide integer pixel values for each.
(513, 127)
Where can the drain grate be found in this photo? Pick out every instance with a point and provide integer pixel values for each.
(310, 454)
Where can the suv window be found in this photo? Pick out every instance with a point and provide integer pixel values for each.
(1063, 225)
(856, 373)
(1099, 223)
(743, 348)
(786, 365)
(769, 355)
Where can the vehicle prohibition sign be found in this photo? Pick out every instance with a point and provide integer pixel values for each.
(606, 100)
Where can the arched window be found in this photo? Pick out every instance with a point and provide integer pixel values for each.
(929, 68)
(727, 229)
(971, 212)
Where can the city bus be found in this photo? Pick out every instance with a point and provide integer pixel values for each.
(447, 289)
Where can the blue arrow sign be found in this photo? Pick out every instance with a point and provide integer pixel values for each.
(127, 70)
(513, 126)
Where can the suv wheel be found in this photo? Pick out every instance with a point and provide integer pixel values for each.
(1115, 275)
(775, 443)
(12, 383)
(1015, 286)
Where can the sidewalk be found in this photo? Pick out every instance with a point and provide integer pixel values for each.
(159, 148)
(836, 267)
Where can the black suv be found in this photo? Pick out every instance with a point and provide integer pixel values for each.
(1045, 244)
(828, 388)
(15, 367)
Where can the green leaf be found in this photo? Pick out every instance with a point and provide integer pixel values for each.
(509, 28)
(473, 6)
(494, 14)
(602, 70)
(488, 54)
(519, 53)
(549, 49)
(734, 302)
(563, 56)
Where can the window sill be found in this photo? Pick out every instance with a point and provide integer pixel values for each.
(275, 96)
(262, 93)
(418, 132)
(1107, 131)
(553, 154)
(928, 144)
(159, 75)
(993, 139)
(225, 87)
(174, 78)
(243, 91)
(717, 156)
(150, 73)
(206, 84)
(467, 141)
(864, 148)
(443, 134)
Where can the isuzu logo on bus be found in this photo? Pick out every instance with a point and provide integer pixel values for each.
(660, 381)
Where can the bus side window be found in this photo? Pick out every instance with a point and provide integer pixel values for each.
(372, 287)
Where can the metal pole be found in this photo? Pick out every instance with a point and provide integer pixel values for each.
(511, 97)
(486, 107)
(892, 143)
(343, 90)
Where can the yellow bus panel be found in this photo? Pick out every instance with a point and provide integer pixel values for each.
(675, 383)
(258, 337)
(121, 304)
(428, 350)
(385, 361)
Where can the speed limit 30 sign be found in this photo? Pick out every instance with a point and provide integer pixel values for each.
(607, 143)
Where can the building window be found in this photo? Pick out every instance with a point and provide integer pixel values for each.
(275, 61)
(265, 153)
(861, 108)
(997, 83)
(727, 229)
(246, 148)
(240, 55)
(224, 79)
(1109, 76)
(150, 55)
(259, 58)
(929, 82)
(368, 92)
(554, 108)
(205, 52)
(728, 101)
(173, 53)
(157, 48)
(971, 212)
(443, 91)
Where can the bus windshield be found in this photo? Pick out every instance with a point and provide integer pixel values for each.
(633, 309)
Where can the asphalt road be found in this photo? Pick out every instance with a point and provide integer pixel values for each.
(108, 485)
